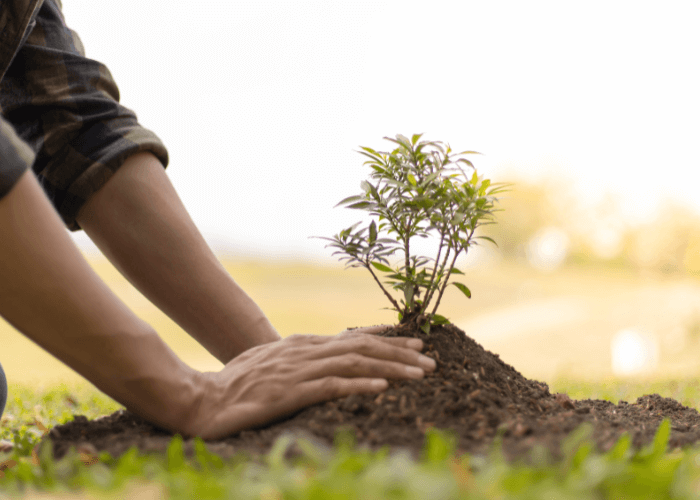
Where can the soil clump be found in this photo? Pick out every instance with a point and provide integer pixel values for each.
(472, 392)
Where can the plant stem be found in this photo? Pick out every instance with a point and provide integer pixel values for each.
(407, 247)
(391, 299)
(444, 285)
(429, 292)
(442, 269)
(391, 220)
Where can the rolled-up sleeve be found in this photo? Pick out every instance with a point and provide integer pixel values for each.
(66, 107)
(16, 157)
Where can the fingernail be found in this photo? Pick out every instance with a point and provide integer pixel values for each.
(414, 372)
(426, 363)
(379, 384)
(415, 343)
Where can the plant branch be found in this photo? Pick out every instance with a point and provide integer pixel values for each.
(442, 269)
(407, 247)
(391, 299)
(444, 285)
(428, 293)
(391, 219)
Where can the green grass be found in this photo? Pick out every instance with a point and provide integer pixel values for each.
(348, 473)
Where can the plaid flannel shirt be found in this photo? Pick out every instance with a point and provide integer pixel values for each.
(60, 111)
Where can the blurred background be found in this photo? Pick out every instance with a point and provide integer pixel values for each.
(590, 110)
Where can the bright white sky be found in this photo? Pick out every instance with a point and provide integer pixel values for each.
(262, 104)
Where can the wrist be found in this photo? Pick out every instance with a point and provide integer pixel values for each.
(142, 373)
(170, 404)
(193, 417)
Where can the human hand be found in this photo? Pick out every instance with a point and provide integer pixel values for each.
(271, 381)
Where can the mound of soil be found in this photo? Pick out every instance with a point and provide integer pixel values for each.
(472, 392)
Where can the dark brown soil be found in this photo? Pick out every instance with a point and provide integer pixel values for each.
(472, 392)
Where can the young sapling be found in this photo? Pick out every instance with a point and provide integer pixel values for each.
(417, 190)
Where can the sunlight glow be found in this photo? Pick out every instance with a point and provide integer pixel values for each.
(294, 88)
(547, 249)
(634, 353)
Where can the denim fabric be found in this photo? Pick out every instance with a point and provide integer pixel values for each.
(3, 390)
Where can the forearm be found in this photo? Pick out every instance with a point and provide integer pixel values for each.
(138, 221)
(50, 293)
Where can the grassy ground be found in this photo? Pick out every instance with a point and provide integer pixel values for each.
(554, 327)
(347, 473)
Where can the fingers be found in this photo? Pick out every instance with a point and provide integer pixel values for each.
(355, 365)
(301, 370)
(301, 395)
(356, 354)
(312, 392)
(411, 343)
(385, 362)
(378, 349)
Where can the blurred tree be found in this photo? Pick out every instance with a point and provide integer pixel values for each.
(691, 258)
(670, 243)
(526, 209)
(598, 232)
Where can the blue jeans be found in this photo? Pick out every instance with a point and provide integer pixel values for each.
(3, 390)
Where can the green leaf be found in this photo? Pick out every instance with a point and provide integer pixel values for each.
(621, 450)
(349, 199)
(348, 230)
(372, 233)
(382, 267)
(372, 153)
(466, 162)
(394, 182)
(430, 178)
(275, 457)
(463, 288)
(485, 238)
(440, 320)
(426, 327)
(362, 204)
(412, 180)
(582, 453)
(175, 453)
(403, 140)
(454, 270)
(374, 158)
(399, 277)
(415, 138)
(574, 441)
(661, 439)
(378, 169)
(374, 192)
(368, 149)
(408, 293)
